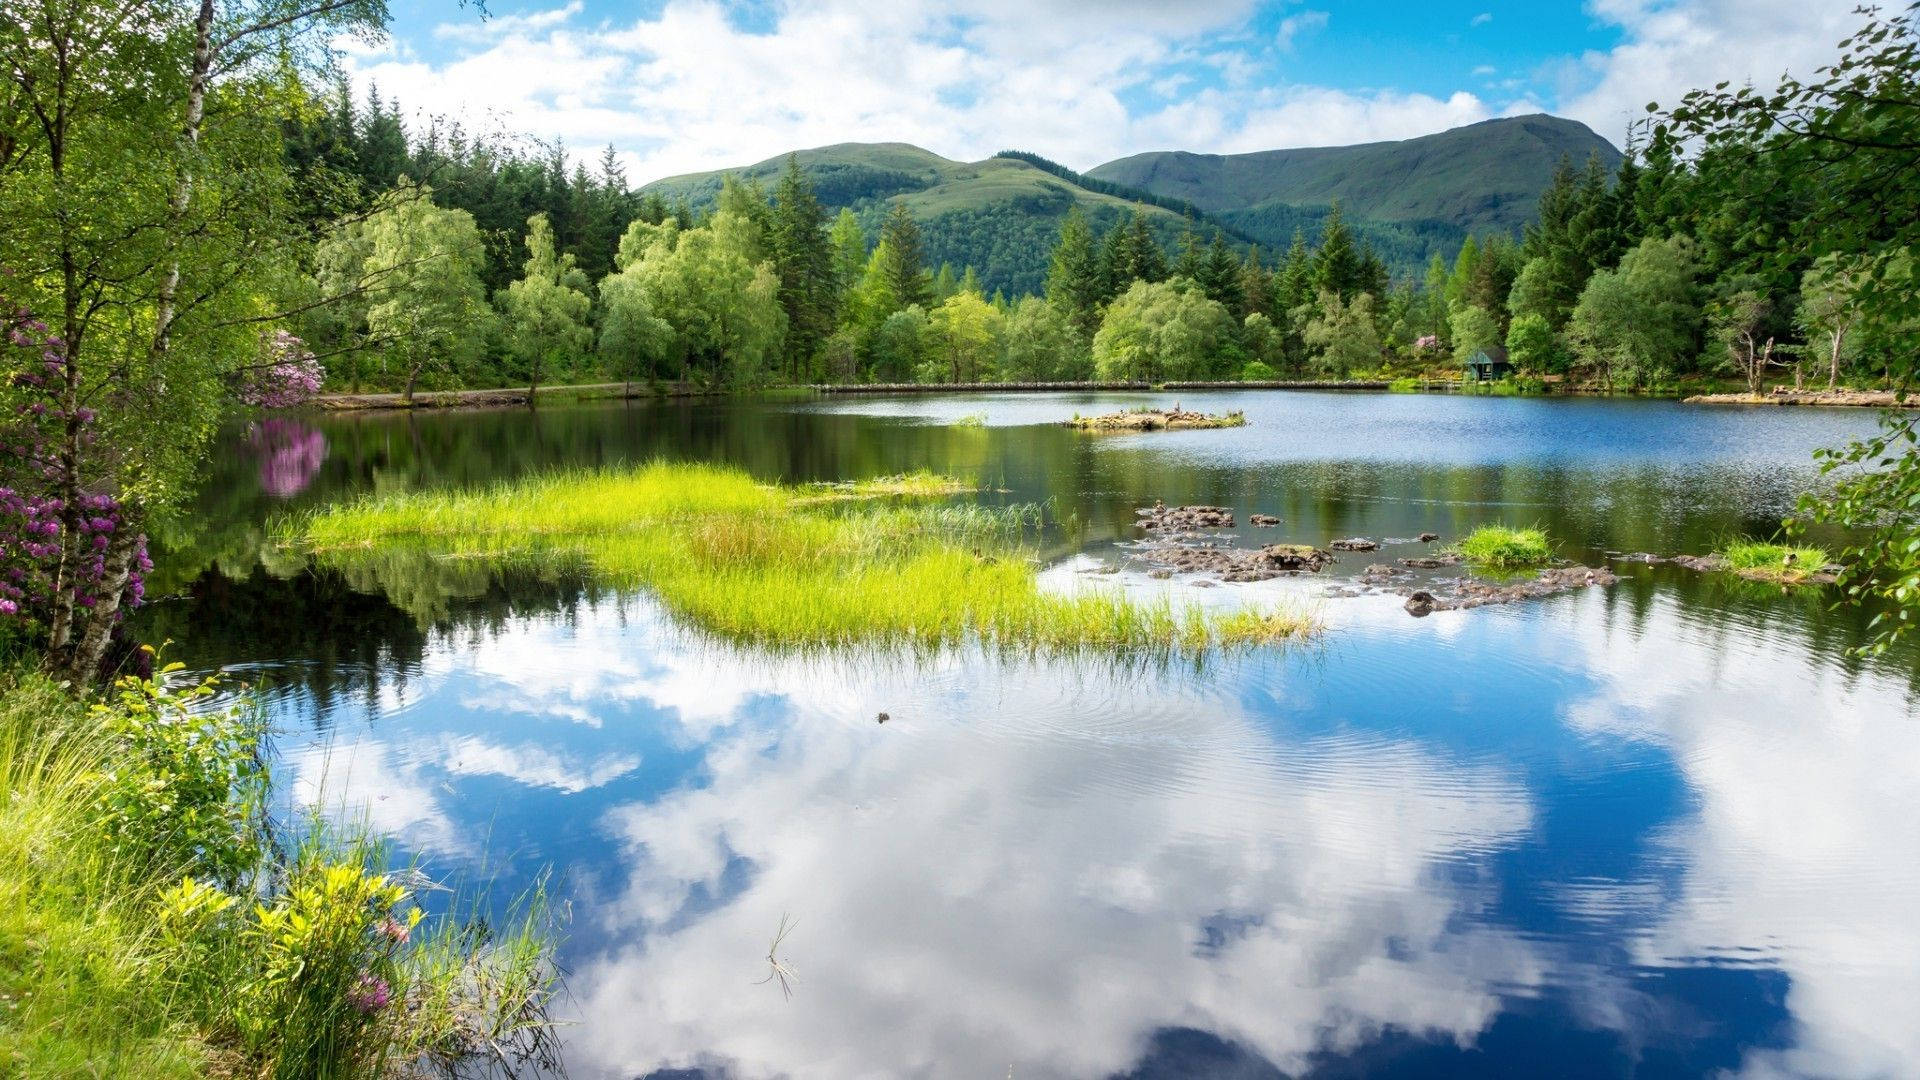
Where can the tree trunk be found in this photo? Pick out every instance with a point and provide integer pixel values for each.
(84, 666)
(1833, 367)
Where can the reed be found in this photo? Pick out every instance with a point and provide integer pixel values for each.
(872, 562)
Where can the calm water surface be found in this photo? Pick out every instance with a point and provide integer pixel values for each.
(1661, 829)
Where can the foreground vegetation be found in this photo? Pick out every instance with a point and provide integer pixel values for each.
(874, 562)
(150, 926)
(1504, 548)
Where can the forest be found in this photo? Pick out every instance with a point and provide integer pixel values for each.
(504, 262)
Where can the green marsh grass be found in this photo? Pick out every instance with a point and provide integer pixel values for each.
(1773, 562)
(1504, 548)
(874, 562)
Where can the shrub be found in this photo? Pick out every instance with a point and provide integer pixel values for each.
(1257, 371)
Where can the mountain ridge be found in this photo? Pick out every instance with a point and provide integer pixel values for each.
(1410, 199)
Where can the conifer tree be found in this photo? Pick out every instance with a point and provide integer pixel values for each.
(1336, 265)
(804, 258)
(1073, 276)
(904, 265)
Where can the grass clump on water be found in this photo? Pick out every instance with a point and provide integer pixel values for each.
(871, 562)
(1505, 548)
(1774, 562)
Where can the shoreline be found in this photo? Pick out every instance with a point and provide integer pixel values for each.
(1831, 399)
(500, 397)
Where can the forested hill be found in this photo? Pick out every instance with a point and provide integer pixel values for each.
(1485, 176)
(1000, 216)
(1408, 201)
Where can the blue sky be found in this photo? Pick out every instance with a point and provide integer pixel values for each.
(698, 84)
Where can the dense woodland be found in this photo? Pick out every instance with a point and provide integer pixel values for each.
(522, 265)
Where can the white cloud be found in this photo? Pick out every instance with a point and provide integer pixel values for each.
(1672, 47)
(1481, 19)
(1293, 26)
(1483, 70)
(687, 90)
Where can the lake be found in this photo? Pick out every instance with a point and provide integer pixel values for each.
(1660, 828)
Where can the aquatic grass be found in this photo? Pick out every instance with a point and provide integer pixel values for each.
(868, 563)
(1773, 562)
(1504, 548)
(971, 420)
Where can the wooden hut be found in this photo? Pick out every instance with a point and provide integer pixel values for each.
(1488, 364)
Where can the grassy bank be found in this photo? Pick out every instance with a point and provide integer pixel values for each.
(1504, 548)
(876, 562)
(149, 928)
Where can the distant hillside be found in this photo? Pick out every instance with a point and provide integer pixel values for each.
(1475, 178)
(1409, 200)
(1001, 216)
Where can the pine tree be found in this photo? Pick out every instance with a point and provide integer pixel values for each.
(804, 258)
(1256, 285)
(1191, 263)
(1336, 265)
(904, 268)
(849, 244)
(1073, 276)
(1220, 277)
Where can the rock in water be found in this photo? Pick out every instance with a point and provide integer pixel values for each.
(1420, 604)
(1354, 543)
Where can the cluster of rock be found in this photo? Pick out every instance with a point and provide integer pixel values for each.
(1472, 593)
(1163, 518)
(1174, 419)
(1716, 564)
(1181, 540)
(1234, 564)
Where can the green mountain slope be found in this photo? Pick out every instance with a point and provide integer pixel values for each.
(1001, 216)
(1475, 178)
(1409, 200)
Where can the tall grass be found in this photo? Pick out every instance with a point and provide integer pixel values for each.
(148, 929)
(1504, 548)
(865, 563)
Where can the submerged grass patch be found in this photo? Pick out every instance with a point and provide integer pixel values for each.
(1774, 562)
(1505, 548)
(872, 562)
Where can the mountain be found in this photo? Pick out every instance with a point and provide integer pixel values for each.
(1001, 216)
(1481, 177)
(1409, 200)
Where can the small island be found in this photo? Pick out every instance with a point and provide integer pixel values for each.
(1174, 419)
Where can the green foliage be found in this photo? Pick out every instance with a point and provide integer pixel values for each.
(1640, 323)
(899, 345)
(547, 309)
(1473, 330)
(1504, 548)
(1158, 331)
(1533, 346)
(1045, 344)
(1876, 500)
(1341, 335)
(1257, 371)
(963, 342)
(421, 266)
(145, 929)
(184, 786)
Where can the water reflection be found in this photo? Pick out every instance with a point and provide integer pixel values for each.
(1658, 830)
(290, 454)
